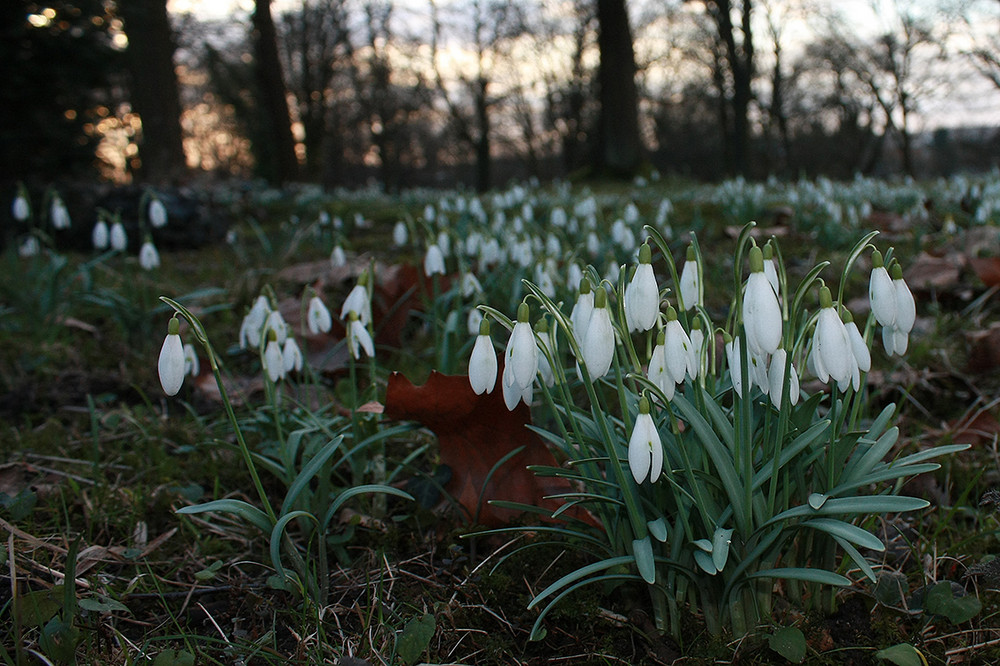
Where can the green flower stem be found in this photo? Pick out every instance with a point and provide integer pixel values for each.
(199, 332)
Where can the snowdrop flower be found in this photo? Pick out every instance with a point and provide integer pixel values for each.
(444, 242)
(832, 356)
(579, 316)
(171, 362)
(645, 450)
(574, 275)
(677, 349)
(119, 241)
(770, 268)
(483, 362)
(522, 350)
(291, 355)
(318, 316)
(631, 213)
(733, 359)
(149, 258)
(434, 261)
(470, 284)
(881, 293)
(776, 379)
(697, 342)
(690, 282)
(99, 236)
(58, 214)
(558, 217)
(429, 213)
(761, 311)
(192, 366)
(657, 371)
(906, 311)
(276, 322)
(30, 247)
(338, 257)
(593, 244)
(400, 234)
(473, 321)
(157, 213)
(358, 301)
(598, 345)
(858, 345)
(358, 337)
(642, 295)
(273, 360)
(20, 208)
(253, 323)
(547, 339)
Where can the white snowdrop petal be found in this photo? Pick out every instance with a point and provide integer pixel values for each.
(171, 364)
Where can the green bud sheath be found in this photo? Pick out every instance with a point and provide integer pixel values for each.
(523, 312)
(896, 271)
(600, 298)
(645, 254)
(756, 260)
(671, 313)
(644, 405)
(825, 299)
(585, 287)
(877, 261)
(174, 326)
(484, 327)
(690, 255)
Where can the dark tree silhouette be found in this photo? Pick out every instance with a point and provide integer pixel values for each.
(620, 149)
(153, 89)
(276, 160)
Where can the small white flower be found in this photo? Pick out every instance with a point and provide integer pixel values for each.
(470, 285)
(359, 338)
(657, 371)
(512, 391)
(579, 316)
(192, 366)
(100, 235)
(881, 292)
(59, 214)
(157, 213)
(645, 450)
(473, 321)
(337, 257)
(690, 283)
(171, 362)
(318, 316)
(483, 362)
(291, 355)
(676, 349)
(434, 261)
(400, 234)
(119, 240)
(642, 295)
(906, 307)
(858, 345)
(733, 359)
(20, 208)
(770, 268)
(358, 301)
(149, 258)
(697, 342)
(253, 323)
(276, 322)
(598, 345)
(274, 360)
(522, 350)
(761, 311)
(30, 247)
(776, 378)
(547, 342)
(832, 355)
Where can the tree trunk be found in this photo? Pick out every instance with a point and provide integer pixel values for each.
(619, 144)
(483, 166)
(153, 90)
(277, 161)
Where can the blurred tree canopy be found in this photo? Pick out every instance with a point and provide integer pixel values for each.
(59, 64)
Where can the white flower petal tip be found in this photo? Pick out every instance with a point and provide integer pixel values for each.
(170, 365)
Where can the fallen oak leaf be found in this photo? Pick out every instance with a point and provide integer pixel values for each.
(474, 433)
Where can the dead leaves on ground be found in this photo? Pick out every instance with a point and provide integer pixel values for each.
(474, 433)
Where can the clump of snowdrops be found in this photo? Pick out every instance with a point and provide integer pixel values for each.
(715, 473)
(306, 449)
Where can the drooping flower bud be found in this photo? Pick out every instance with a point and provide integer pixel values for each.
(171, 362)
(645, 449)
(483, 362)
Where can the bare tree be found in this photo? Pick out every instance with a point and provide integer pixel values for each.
(280, 162)
(470, 104)
(153, 88)
(620, 149)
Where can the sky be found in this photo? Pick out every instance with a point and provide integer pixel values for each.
(973, 101)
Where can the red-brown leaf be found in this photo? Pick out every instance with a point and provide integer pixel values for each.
(474, 432)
